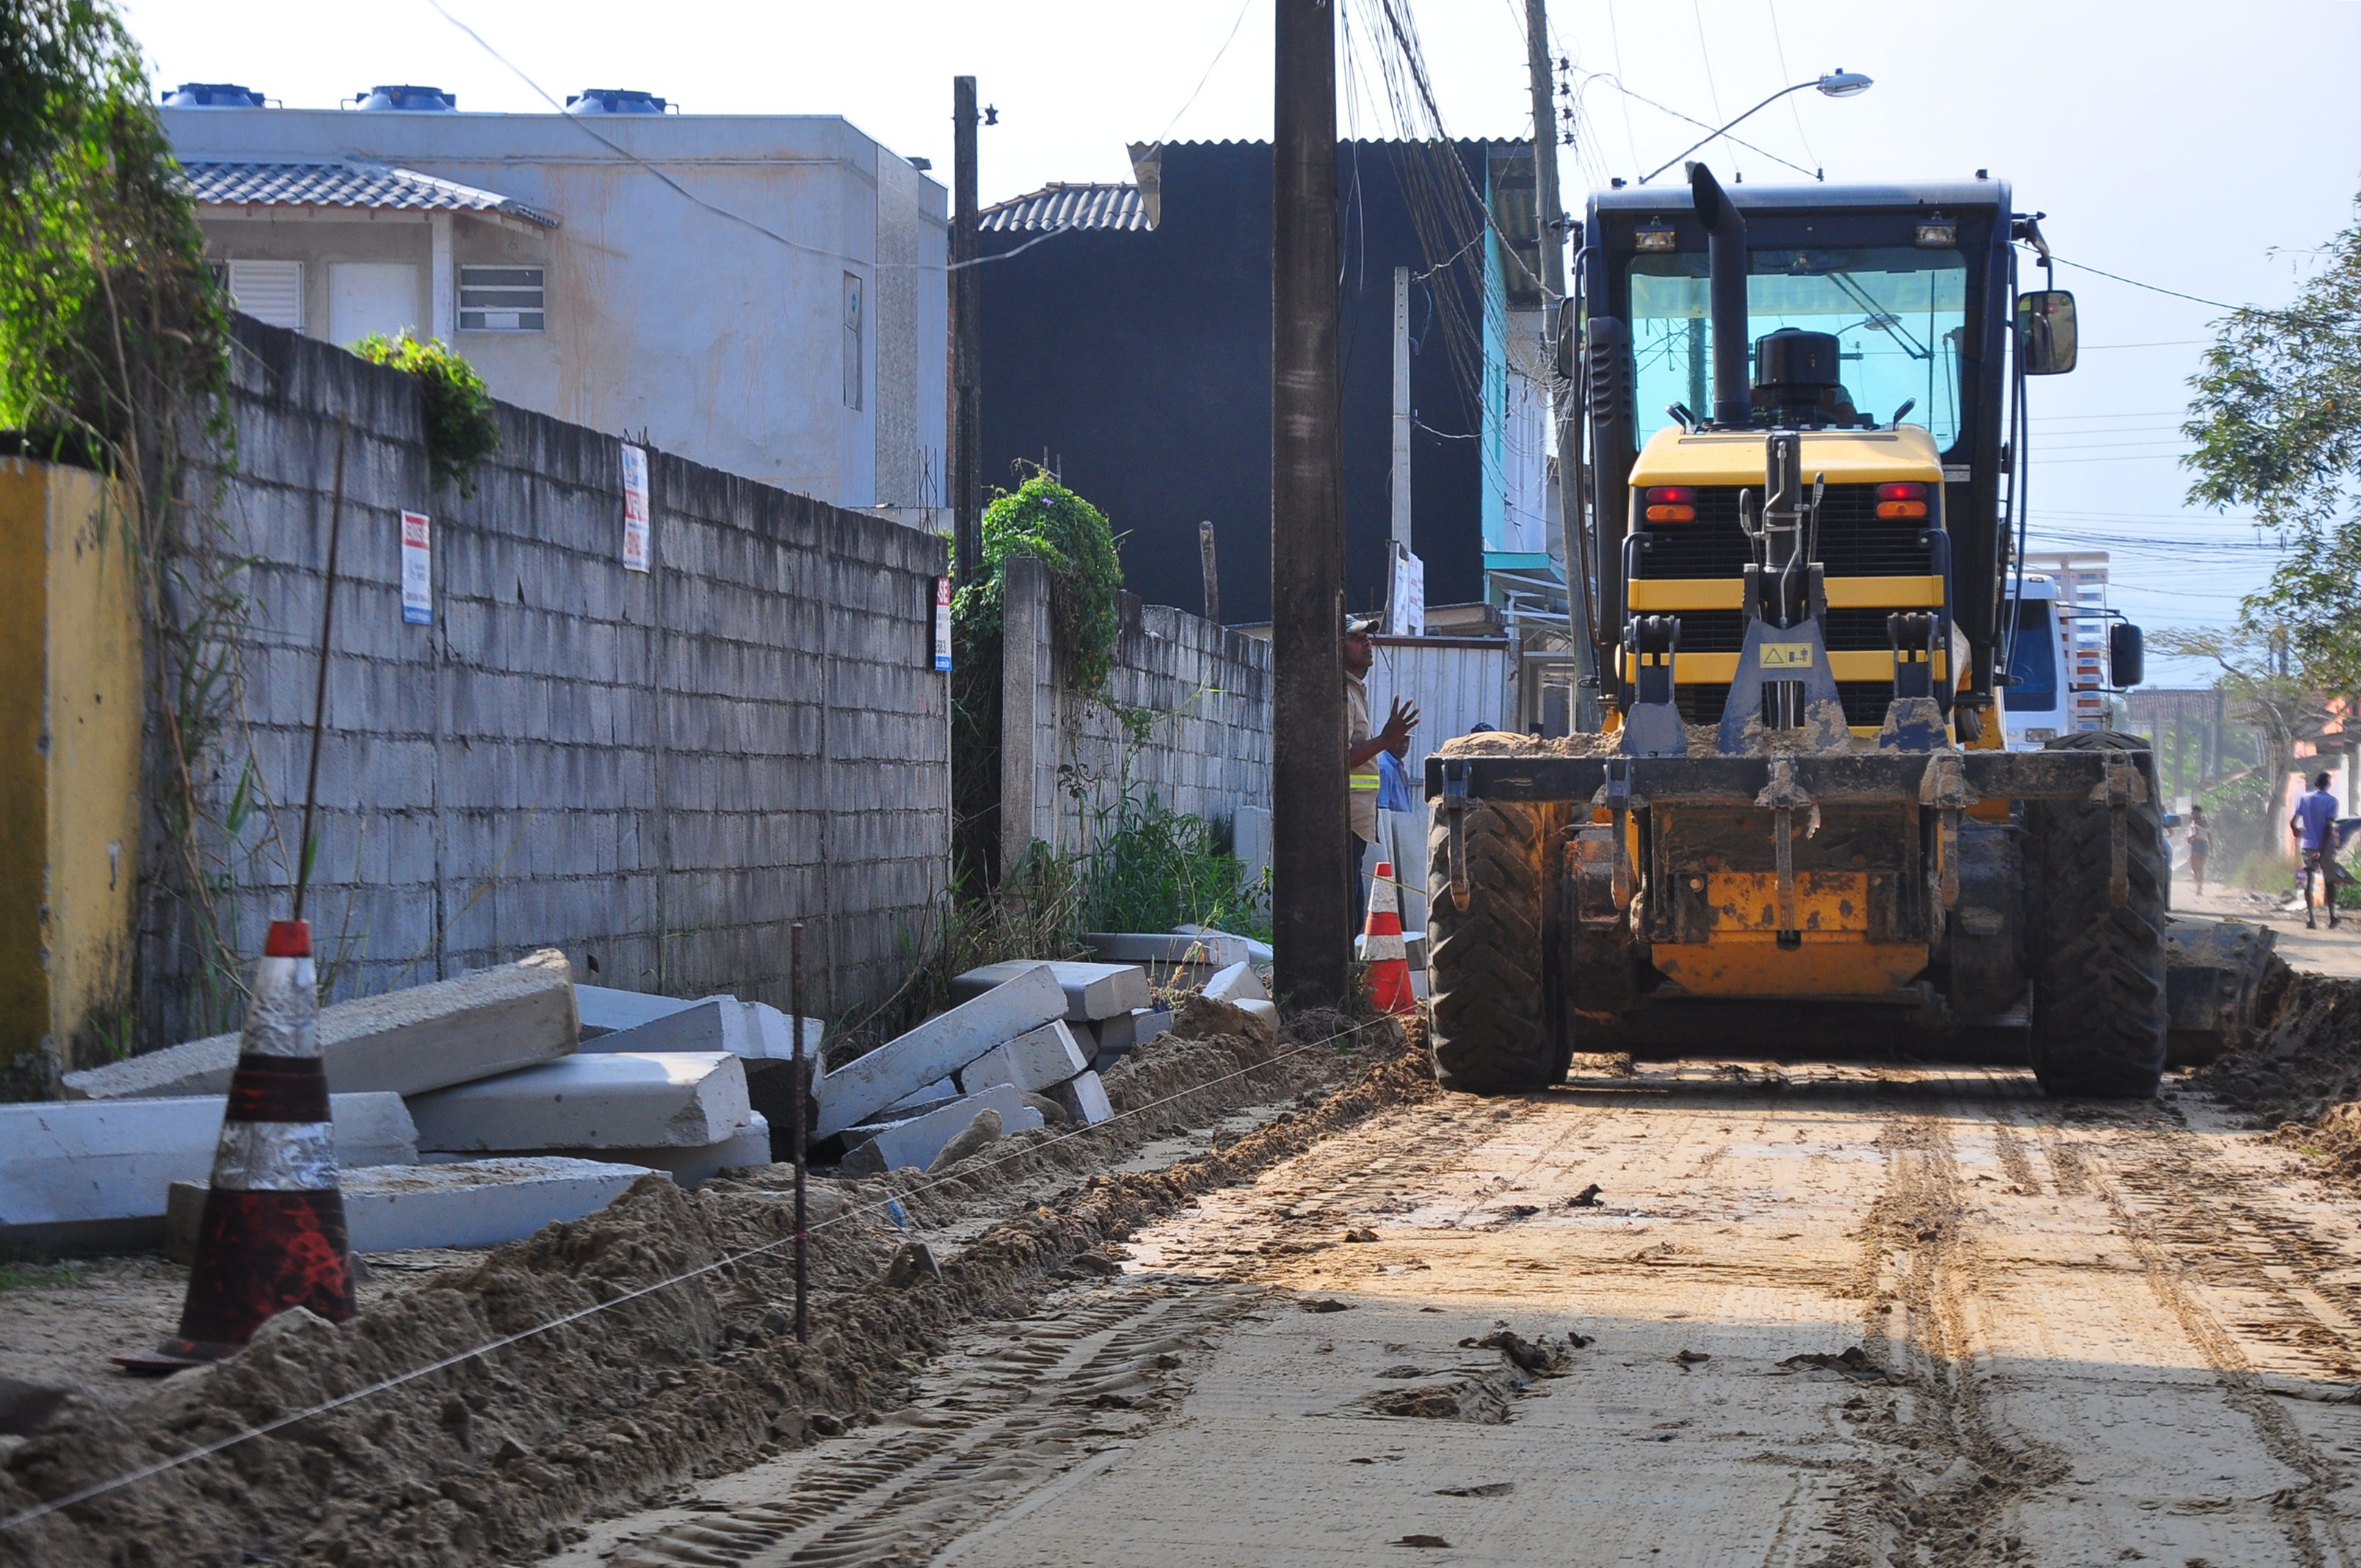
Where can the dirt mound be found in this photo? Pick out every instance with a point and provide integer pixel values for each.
(2306, 1063)
(496, 1457)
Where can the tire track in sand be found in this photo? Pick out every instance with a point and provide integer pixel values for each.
(2173, 1234)
(1943, 1495)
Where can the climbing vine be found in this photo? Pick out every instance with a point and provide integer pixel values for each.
(1040, 519)
(1043, 520)
(460, 430)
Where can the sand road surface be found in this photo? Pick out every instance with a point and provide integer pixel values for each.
(1825, 1315)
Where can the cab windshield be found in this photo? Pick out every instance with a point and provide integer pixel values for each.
(1899, 315)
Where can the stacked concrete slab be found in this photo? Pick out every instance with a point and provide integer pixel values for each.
(407, 1042)
(90, 1175)
(1019, 1029)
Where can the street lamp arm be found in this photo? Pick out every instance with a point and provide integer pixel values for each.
(1724, 130)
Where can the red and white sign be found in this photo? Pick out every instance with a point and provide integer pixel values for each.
(417, 569)
(942, 623)
(635, 508)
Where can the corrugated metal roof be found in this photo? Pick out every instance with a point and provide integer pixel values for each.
(1067, 207)
(347, 183)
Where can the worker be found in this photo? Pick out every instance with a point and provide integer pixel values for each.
(2200, 844)
(2314, 826)
(1361, 748)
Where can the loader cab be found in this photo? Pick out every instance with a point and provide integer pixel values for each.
(1906, 292)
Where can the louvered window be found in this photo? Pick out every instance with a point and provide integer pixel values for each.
(501, 299)
(269, 291)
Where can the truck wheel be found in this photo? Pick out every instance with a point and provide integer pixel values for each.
(1495, 1020)
(2097, 972)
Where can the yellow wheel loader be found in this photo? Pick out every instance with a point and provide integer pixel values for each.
(1803, 475)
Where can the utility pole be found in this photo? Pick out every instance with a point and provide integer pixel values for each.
(1400, 467)
(1211, 569)
(1562, 402)
(1310, 917)
(967, 341)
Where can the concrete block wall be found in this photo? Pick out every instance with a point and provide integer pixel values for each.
(1066, 758)
(654, 772)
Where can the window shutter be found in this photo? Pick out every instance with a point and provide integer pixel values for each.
(268, 292)
(502, 299)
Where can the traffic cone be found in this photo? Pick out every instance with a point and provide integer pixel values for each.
(274, 1232)
(1382, 946)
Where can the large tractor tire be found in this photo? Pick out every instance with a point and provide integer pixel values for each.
(1498, 1023)
(2097, 972)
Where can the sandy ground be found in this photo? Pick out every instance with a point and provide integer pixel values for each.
(2092, 1335)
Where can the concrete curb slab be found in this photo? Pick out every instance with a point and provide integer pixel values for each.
(404, 1042)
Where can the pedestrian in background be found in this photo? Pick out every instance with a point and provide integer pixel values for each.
(2314, 826)
(1361, 748)
(2200, 844)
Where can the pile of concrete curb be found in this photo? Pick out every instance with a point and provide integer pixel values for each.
(1021, 1048)
(474, 1111)
(468, 1112)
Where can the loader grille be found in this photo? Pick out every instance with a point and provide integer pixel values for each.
(1724, 630)
(1852, 541)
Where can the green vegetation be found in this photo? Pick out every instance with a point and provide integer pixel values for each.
(1048, 523)
(2277, 420)
(110, 325)
(460, 430)
(1154, 868)
(33, 1276)
(1042, 520)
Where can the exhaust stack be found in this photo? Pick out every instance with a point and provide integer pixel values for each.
(1733, 396)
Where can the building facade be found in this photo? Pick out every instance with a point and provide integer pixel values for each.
(764, 294)
(1127, 341)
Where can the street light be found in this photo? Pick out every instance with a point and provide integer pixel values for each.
(1837, 83)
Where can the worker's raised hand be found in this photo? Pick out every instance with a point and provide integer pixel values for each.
(1395, 736)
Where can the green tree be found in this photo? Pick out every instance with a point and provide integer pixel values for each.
(2277, 420)
(110, 325)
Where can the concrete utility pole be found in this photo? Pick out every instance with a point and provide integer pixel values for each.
(1310, 917)
(967, 341)
(1401, 467)
(1562, 403)
(1212, 571)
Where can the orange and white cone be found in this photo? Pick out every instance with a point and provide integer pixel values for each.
(1382, 946)
(274, 1232)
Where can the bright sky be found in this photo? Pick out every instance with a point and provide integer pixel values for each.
(2197, 146)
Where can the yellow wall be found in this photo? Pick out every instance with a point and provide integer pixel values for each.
(70, 708)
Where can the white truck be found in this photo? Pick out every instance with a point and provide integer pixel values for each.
(2058, 673)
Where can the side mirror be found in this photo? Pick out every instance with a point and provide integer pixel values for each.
(2127, 655)
(2045, 331)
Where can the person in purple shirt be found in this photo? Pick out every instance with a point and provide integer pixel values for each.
(2314, 826)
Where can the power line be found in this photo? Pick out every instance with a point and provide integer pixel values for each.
(1208, 75)
(1779, 46)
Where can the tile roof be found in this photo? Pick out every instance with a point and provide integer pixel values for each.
(347, 183)
(1067, 207)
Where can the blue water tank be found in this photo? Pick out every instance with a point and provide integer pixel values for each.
(418, 100)
(613, 101)
(212, 95)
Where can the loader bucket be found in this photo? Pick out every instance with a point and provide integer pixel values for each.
(2222, 983)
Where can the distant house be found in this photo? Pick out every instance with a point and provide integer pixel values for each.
(1126, 344)
(767, 294)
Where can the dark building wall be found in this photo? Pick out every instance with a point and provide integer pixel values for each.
(1138, 365)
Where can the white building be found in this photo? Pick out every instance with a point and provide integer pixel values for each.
(765, 294)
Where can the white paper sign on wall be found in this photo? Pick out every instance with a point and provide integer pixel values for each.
(635, 508)
(1406, 594)
(942, 623)
(417, 569)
